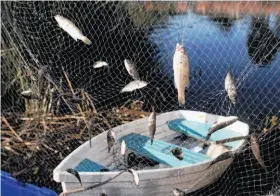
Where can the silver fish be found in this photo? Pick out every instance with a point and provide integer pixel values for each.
(178, 192)
(99, 64)
(90, 129)
(28, 94)
(75, 173)
(41, 79)
(256, 150)
(71, 29)
(178, 153)
(131, 69)
(152, 124)
(181, 70)
(220, 125)
(136, 84)
(111, 138)
(135, 176)
(231, 87)
(123, 148)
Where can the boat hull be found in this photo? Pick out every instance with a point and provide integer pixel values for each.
(187, 179)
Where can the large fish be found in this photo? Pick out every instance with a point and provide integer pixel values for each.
(219, 125)
(111, 138)
(230, 87)
(71, 29)
(181, 72)
(131, 69)
(152, 124)
(256, 150)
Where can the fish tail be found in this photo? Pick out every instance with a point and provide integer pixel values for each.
(181, 97)
(86, 40)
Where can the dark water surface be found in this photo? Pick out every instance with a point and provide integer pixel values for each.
(247, 45)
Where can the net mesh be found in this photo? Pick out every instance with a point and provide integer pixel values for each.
(36, 54)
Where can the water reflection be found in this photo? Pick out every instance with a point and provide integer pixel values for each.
(262, 43)
(214, 48)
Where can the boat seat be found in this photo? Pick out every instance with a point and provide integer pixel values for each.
(89, 166)
(200, 130)
(159, 151)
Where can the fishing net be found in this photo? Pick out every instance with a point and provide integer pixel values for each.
(38, 55)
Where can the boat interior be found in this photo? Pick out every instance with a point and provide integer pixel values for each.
(141, 155)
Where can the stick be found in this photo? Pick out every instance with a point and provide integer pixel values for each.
(12, 130)
(91, 187)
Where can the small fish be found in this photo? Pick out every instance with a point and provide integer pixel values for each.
(135, 176)
(178, 192)
(181, 70)
(256, 150)
(102, 194)
(226, 155)
(219, 125)
(41, 79)
(123, 148)
(71, 29)
(178, 153)
(152, 124)
(28, 94)
(75, 173)
(111, 138)
(90, 129)
(131, 69)
(99, 64)
(136, 84)
(230, 87)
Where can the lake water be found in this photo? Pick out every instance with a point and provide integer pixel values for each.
(214, 48)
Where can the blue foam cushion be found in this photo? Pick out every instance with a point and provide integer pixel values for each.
(200, 130)
(89, 166)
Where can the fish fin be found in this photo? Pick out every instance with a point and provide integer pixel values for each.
(86, 40)
(152, 141)
(181, 98)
